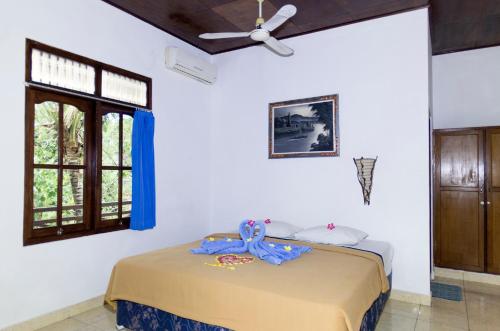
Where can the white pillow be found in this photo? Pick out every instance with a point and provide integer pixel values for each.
(279, 229)
(339, 235)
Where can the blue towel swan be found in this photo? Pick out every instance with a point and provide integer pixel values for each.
(228, 245)
(271, 252)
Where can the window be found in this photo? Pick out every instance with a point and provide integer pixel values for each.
(78, 172)
(115, 166)
(59, 170)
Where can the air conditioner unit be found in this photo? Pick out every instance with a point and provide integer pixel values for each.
(187, 64)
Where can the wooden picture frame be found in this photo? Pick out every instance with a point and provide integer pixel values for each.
(304, 127)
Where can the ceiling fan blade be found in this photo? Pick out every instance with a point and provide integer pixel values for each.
(278, 46)
(222, 35)
(280, 17)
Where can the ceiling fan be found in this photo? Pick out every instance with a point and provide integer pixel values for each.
(262, 30)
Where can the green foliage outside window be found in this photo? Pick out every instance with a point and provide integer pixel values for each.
(46, 134)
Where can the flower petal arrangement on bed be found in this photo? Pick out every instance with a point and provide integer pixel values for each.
(329, 288)
(252, 235)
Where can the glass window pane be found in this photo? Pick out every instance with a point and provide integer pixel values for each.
(43, 220)
(122, 88)
(109, 195)
(110, 139)
(73, 135)
(55, 70)
(127, 140)
(72, 188)
(44, 198)
(126, 193)
(46, 132)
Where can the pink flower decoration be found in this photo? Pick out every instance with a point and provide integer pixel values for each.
(251, 222)
(330, 226)
(267, 221)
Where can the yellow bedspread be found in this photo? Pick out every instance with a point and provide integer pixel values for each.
(329, 288)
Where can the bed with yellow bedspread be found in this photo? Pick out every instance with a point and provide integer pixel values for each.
(329, 288)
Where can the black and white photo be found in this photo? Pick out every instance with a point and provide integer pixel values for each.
(304, 128)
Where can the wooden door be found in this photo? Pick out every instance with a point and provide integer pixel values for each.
(458, 199)
(493, 200)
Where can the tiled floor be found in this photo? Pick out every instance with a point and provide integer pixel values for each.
(97, 319)
(479, 311)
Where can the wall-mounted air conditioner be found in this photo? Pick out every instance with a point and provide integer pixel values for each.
(189, 65)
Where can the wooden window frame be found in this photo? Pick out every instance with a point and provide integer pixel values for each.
(35, 94)
(120, 222)
(98, 67)
(92, 223)
(32, 236)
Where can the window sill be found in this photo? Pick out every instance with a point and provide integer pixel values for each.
(47, 239)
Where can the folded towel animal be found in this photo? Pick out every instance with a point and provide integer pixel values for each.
(271, 252)
(227, 246)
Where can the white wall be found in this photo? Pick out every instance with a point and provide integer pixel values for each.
(38, 279)
(465, 88)
(211, 144)
(380, 70)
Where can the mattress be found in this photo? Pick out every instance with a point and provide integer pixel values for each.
(381, 248)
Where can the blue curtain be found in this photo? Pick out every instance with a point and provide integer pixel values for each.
(143, 215)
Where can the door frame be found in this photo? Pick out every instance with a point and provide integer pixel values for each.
(489, 191)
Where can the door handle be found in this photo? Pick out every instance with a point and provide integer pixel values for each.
(481, 203)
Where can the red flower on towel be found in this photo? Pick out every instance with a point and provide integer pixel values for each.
(251, 222)
(232, 259)
(267, 221)
(330, 226)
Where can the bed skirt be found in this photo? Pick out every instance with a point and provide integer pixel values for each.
(138, 317)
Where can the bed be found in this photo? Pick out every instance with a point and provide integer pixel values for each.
(330, 288)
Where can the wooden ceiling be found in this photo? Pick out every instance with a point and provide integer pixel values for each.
(186, 19)
(459, 25)
(455, 24)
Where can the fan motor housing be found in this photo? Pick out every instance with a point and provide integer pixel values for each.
(259, 35)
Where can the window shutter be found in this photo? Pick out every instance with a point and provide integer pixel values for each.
(58, 71)
(118, 87)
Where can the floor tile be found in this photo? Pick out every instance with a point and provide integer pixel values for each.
(435, 326)
(393, 322)
(70, 325)
(402, 308)
(481, 326)
(483, 310)
(446, 312)
(475, 287)
(108, 323)
(95, 315)
(447, 305)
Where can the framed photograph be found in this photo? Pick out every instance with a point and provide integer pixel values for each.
(304, 127)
